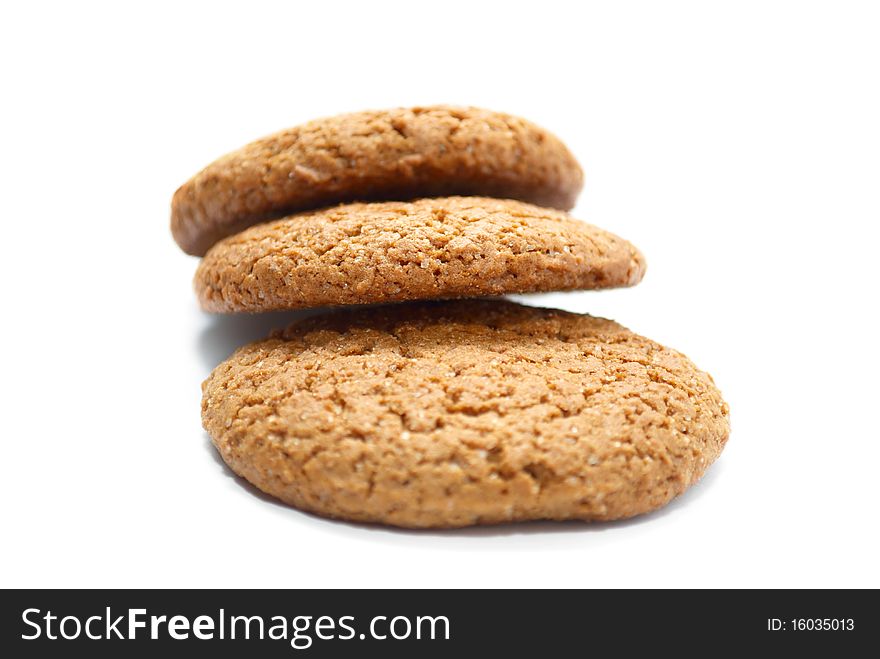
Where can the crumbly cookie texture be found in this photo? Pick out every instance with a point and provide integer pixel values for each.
(393, 251)
(451, 414)
(390, 154)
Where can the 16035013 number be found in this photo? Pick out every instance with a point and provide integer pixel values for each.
(822, 624)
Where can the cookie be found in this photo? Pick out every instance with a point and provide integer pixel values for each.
(431, 248)
(390, 154)
(450, 414)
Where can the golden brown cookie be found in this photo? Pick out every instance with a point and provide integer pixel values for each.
(431, 248)
(469, 412)
(390, 154)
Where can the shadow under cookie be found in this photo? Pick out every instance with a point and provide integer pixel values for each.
(539, 527)
(224, 334)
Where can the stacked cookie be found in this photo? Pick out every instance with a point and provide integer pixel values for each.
(438, 411)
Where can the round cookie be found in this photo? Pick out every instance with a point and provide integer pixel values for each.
(389, 154)
(468, 412)
(393, 251)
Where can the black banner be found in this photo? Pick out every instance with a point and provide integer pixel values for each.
(288, 623)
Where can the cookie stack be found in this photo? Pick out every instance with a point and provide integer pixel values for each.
(438, 411)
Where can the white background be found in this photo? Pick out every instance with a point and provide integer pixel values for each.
(737, 144)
